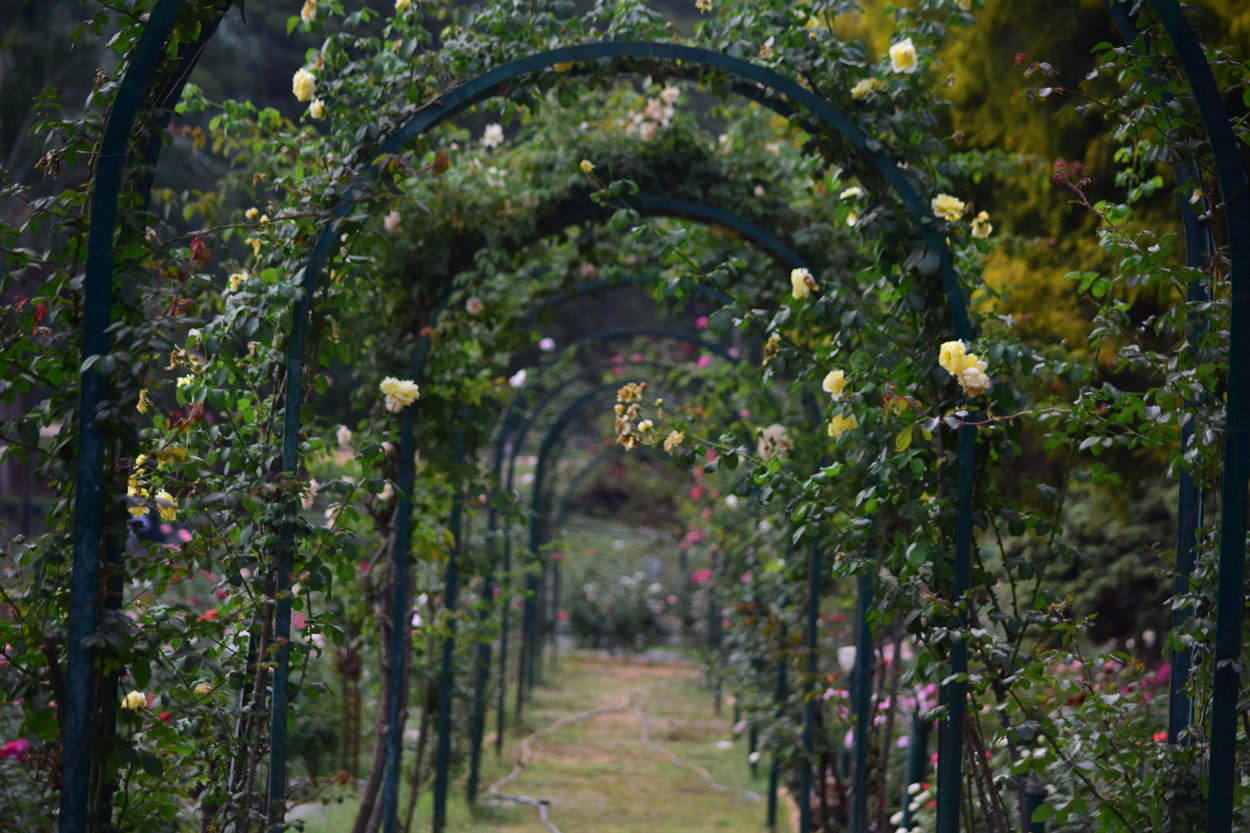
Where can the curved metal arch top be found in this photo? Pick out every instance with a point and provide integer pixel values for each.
(491, 84)
(650, 205)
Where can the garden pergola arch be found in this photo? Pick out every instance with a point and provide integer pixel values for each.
(477, 90)
(864, 592)
(647, 204)
(97, 291)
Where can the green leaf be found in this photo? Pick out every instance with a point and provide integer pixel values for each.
(902, 441)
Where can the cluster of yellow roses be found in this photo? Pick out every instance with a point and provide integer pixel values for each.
(138, 491)
(967, 369)
(630, 430)
(835, 385)
(399, 393)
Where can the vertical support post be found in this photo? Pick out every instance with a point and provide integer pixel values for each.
(1034, 797)
(809, 701)
(279, 678)
(442, 758)
(540, 621)
(555, 611)
(863, 702)
(397, 650)
(1189, 499)
(774, 772)
(478, 724)
(1230, 602)
(523, 652)
(112, 601)
(917, 754)
(89, 495)
(951, 726)
(1189, 496)
(506, 581)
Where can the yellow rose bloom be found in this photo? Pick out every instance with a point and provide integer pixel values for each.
(981, 227)
(903, 57)
(673, 440)
(951, 357)
(972, 376)
(252, 213)
(839, 425)
(645, 426)
(772, 347)
(134, 701)
(309, 13)
(402, 5)
(865, 87)
(235, 281)
(802, 283)
(143, 405)
(317, 109)
(631, 392)
(587, 166)
(835, 382)
(703, 5)
(947, 207)
(166, 505)
(399, 393)
(304, 85)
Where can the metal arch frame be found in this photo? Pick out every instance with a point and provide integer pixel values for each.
(1189, 498)
(99, 274)
(474, 91)
(649, 204)
(477, 725)
(441, 783)
(1230, 602)
(599, 338)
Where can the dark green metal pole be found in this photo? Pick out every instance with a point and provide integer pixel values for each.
(1034, 797)
(774, 772)
(478, 724)
(398, 649)
(89, 488)
(506, 581)
(540, 619)
(1189, 515)
(1189, 497)
(442, 759)
(951, 726)
(809, 701)
(1230, 601)
(555, 611)
(863, 702)
(917, 757)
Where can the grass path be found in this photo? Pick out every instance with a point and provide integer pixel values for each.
(597, 749)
